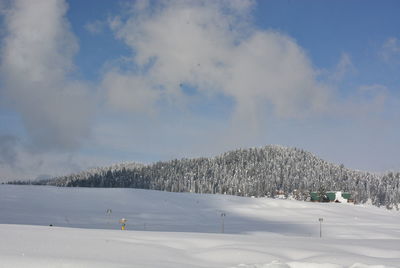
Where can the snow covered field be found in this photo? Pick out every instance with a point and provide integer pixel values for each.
(184, 230)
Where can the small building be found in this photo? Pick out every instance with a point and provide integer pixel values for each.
(280, 194)
(332, 196)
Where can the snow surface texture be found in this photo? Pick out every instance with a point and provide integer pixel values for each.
(184, 230)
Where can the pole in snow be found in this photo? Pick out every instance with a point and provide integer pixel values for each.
(320, 226)
(223, 223)
(108, 215)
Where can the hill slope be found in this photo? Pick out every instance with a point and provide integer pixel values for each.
(246, 172)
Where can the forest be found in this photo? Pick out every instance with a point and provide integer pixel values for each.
(254, 172)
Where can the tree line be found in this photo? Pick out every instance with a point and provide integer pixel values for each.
(255, 172)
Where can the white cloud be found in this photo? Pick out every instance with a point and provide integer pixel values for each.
(95, 27)
(344, 67)
(373, 96)
(36, 61)
(8, 153)
(366, 103)
(130, 92)
(27, 165)
(390, 51)
(212, 47)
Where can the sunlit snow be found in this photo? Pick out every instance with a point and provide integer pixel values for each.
(185, 230)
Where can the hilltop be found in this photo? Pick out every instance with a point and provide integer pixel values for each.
(255, 172)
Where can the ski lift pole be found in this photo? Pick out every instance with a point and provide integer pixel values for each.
(320, 226)
(223, 222)
(108, 215)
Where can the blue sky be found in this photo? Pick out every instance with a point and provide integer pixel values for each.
(88, 83)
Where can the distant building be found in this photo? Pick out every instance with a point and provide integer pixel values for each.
(280, 194)
(332, 196)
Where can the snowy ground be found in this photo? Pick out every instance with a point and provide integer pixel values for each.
(184, 230)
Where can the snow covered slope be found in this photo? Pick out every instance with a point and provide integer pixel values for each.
(184, 230)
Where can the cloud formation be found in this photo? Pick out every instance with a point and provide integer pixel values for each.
(36, 64)
(94, 27)
(199, 78)
(213, 49)
(18, 163)
(8, 153)
(343, 68)
(390, 51)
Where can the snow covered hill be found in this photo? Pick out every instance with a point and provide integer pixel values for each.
(185, 230)
(245, 172)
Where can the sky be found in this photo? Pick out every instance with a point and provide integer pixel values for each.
(96, 82)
